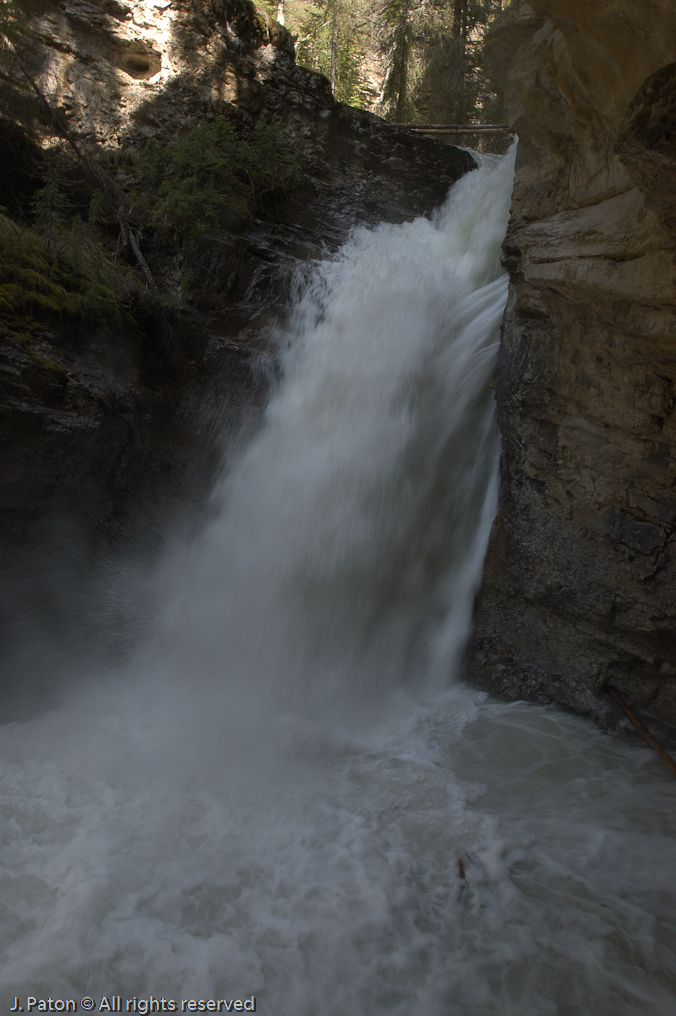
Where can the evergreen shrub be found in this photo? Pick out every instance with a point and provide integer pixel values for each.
(209, 178)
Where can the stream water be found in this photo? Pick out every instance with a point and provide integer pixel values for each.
(288, 793)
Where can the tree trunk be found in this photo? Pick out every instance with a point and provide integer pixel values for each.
(459, 39)
(402, 96)
(280, 11)
(334, 45)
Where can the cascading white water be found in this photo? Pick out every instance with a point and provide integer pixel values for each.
(345, 559)
(274, 797)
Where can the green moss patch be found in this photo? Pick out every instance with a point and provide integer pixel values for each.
(69, 274)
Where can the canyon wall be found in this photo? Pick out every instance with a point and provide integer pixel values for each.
(580, 583)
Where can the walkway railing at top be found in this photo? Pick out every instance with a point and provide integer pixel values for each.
(455, 128)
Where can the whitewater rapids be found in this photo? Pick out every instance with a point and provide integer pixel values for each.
(273, 797)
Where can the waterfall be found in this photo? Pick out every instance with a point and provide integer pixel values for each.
(289, 793)
(345, 558)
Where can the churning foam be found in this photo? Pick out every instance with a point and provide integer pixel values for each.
(273, 799)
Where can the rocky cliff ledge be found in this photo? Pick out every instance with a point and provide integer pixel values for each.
(580, 585)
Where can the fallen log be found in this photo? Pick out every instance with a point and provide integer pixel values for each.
(454, 128)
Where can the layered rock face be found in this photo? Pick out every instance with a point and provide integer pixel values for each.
(580, 585)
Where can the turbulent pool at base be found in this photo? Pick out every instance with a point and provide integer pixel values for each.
(273, 797)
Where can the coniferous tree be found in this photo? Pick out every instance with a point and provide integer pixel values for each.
(435, 52)
(332, 37)
(398, 17)
(409, 60)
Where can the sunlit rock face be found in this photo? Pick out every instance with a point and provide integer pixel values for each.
(580, 586)
(102, 61)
